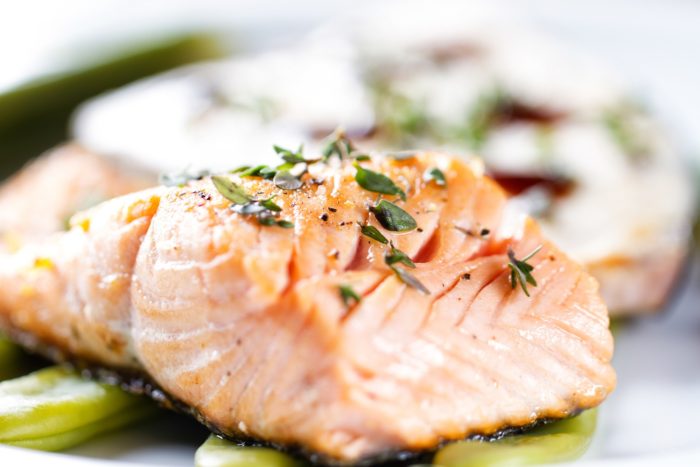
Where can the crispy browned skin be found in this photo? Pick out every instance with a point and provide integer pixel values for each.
(245, 324)
(41, 197)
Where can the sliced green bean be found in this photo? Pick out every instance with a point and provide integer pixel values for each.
(217, 452)
(554, 442)
(11, 358)
(54, 409)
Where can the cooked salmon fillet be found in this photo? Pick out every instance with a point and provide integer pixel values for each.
(245, 323)
(41, 198)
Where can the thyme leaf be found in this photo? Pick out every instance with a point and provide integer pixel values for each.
(269, 204)
(338, 144)
(392, 217)
(230, 190)
(263, 171)
(285, 180)
(373, 233)
(521, 270)
(293, 157)
(394, 255)
(266, 211)
(377, 182)
(435, 175)
(348, 295)
(285, 224)
(408, 279)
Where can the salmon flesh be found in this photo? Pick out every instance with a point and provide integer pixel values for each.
(296, 328)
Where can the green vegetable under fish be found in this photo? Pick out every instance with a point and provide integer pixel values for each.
(217, 452)
(54, 409)
(554, 442)
(11, 360)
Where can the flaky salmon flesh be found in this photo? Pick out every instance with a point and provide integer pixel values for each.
(294, 316)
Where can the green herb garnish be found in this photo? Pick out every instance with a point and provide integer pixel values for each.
(348, 295)
(377, 183)
(339, 145)
(521, 271)
(394, 256)
(392, 217)
(408, 279)
(230, 190)
(291, 156)
(265, 211)
(435, 175)
(269, 219)
(263, 171)
(269, 204)
(373, 233)
(287, 181)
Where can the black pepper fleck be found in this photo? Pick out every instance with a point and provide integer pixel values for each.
(324, 217)
(466, 276)
(332, 209)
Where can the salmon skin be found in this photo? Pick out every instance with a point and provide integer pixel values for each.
(325, 315)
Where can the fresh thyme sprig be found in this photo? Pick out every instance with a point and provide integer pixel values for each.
(265, 211)
(521, 270)
(395, 256)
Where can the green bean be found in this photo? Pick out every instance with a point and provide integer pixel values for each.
(54, 409)
(217, 452)
(554, 442)
(34, 116)
(11, 357)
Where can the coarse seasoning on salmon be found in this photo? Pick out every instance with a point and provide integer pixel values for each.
(351, 306)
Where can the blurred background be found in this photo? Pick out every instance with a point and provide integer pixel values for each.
(80, 48)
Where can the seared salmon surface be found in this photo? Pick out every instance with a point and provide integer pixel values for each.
(323, 310)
